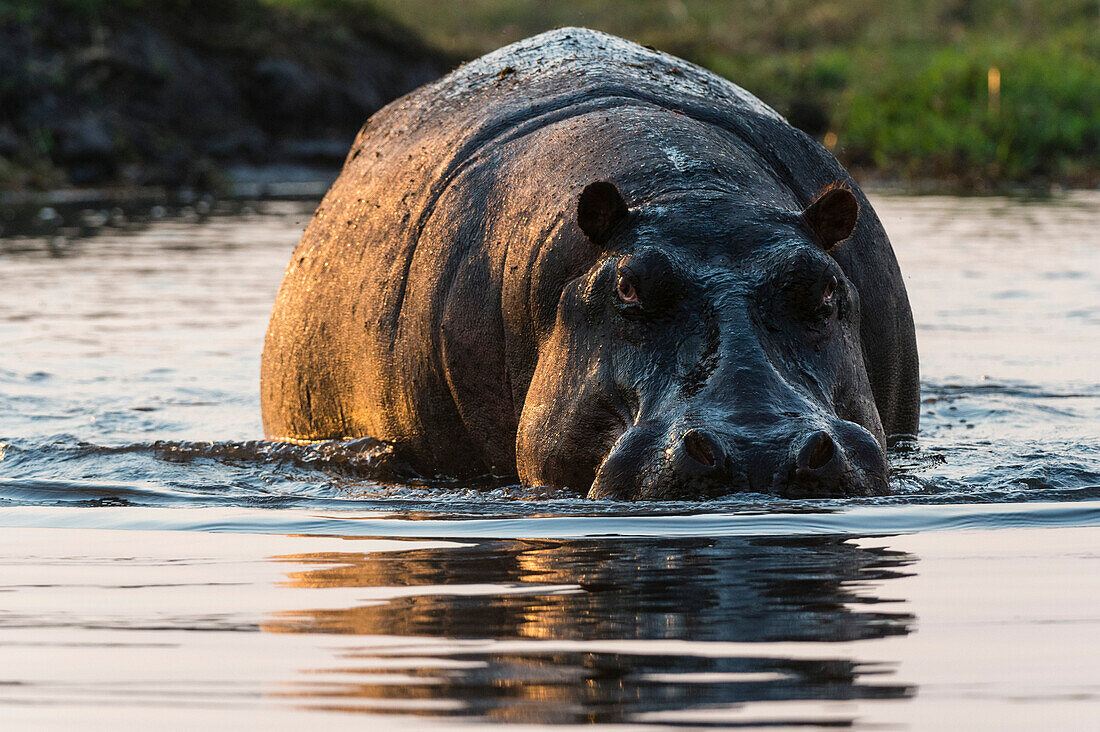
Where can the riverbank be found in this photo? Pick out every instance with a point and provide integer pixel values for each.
(967, 97)
(208, 95)
(193, 94)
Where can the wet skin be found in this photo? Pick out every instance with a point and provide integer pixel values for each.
(590, 265)
(717, 358)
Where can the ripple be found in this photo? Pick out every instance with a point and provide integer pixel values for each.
(362, 473)
(113, 411)
(612, 522)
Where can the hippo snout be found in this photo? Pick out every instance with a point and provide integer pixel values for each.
(699, 452)
(651, 463)
(821, 468)
(818, 469)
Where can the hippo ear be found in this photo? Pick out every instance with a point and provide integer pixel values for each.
(600, 209)
(832, 216)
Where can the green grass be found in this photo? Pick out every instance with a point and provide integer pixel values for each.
(899, 89)
(901, 86)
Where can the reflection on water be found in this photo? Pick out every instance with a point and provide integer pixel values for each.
(128, 386)
(196, 630)
(704, 592)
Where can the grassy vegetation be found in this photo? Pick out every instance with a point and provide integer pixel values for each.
(974, 94)
(900, 89)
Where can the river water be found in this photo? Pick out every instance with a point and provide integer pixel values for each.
(159, 565)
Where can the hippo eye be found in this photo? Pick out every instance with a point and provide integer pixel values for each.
(627, 292)
(830, 290)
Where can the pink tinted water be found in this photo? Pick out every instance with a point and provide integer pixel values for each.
(146, 580)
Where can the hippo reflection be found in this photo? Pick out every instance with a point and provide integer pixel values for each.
(596, 266)
(617, 592)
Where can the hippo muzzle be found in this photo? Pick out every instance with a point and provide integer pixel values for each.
(658, 461)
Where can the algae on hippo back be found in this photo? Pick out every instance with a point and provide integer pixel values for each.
(513, 274)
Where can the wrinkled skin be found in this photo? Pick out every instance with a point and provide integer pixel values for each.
(728, 366)
(598, 267)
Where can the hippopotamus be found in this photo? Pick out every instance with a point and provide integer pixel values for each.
(595, 266)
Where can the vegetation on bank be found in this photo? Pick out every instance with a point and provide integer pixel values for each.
(974, 94)
(971, 94)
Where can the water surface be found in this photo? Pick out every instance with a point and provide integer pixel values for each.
(158, 556)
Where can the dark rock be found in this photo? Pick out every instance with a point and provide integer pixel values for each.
(85, 139)
(287, 89)
(171, 93)
(86, 149)
(9, 142)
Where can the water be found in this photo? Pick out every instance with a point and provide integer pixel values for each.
(156, 556)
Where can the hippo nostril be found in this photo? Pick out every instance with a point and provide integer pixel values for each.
(817, 452)
(700, 448)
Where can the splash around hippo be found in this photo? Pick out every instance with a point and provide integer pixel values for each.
(599, 267)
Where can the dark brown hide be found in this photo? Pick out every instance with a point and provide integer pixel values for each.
(425, 294)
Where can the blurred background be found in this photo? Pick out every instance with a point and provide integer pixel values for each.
(141, 145)
(943, 95)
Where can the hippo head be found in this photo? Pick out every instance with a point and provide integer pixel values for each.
(713, 347)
